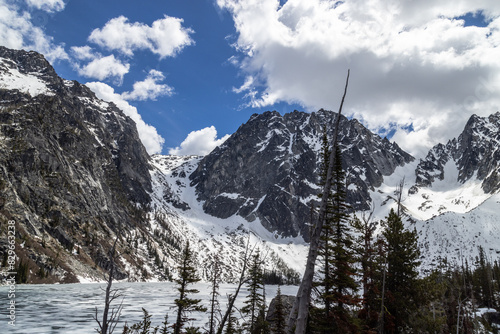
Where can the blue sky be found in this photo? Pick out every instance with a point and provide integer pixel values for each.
(192, 71)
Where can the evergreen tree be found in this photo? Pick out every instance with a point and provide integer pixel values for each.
(321, 314)
(337, 286)
(165, 329)
(369, 260)
(254, 302)
(483, 280)
(401, 281)
(187, 276)
(279, 319)
(142, 327)
(496, 280)
(430, 316)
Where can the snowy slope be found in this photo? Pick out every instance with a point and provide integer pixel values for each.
(457, 236)
(210, 236)
(452, 218)
(12, 79)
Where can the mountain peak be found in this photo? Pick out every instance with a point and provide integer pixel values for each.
(475, 153)
(27, 72)
(277, 159)
(72, 165)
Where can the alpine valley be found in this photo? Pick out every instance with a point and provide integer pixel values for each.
(74, 173)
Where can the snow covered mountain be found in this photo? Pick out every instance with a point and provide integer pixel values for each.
(255, 178)
(73, 174)
(453, 194)
(268, 170)
(474, 155)
(72, 170)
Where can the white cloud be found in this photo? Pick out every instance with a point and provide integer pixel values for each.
(411, 62)
(149, 89)
(18, 32)
(104, 68)
(47, 5)
(165, 37)
(247, 85)
(83, 52)
(150, 138)
(199, 142)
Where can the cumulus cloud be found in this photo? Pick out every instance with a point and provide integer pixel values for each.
(150, 138)
(414, 64)
(200, 142)
(102, 68)
(18, 32)
(165, 37)
(47, 5)
(149, 88)
(83, 52)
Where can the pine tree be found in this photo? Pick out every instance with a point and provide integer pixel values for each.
(496, 279)
(165, 329)
(337, 286)
(279, 320)
(402, 265)
(344, 283)
(483, 278)
(187, 276)
(255, 299)
(299, 314)
(142, 327)
(369, 260)
(323, 284)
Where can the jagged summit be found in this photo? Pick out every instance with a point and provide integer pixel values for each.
(28, 73)
(475, 154)
(268, 169)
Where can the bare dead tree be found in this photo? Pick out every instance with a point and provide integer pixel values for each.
(300, 310)
(109, 321)
(214, 301)
(242, 280)
(399, 194)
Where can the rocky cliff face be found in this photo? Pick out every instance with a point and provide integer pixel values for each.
(269, 168)
(72, 167)
(474, 154)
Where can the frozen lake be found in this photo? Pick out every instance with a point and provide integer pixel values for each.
(68, 308)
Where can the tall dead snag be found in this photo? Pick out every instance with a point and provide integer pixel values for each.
(298, 316)
(109, 321)
(232, 298)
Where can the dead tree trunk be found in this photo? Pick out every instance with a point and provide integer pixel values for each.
(242, 281)
(109, 321)
(300, 309)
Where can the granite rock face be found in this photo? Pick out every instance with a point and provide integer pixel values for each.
(72, 167)
(268, 169)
